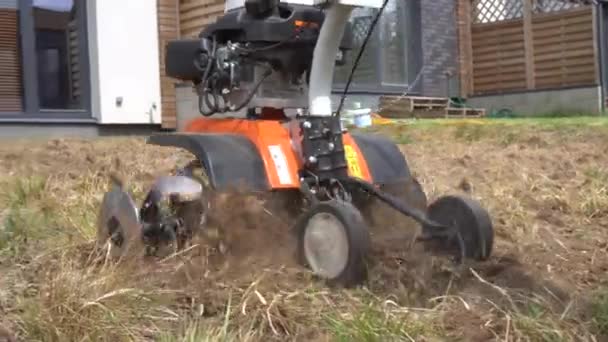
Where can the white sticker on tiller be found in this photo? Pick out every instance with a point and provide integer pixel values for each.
(280, 163)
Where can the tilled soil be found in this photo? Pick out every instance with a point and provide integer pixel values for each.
(545, 189)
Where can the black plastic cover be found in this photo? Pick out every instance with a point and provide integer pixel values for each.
(385, 161)
(230, 160)
(239, 26)
(180, 57)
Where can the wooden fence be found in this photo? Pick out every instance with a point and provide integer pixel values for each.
(516, 45)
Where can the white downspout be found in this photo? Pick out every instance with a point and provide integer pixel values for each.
(324, 59)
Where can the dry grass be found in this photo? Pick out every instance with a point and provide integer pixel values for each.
(546, 188)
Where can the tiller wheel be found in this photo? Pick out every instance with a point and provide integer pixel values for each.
(333, 239)
(169, 216)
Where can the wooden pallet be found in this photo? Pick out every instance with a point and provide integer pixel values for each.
(465, 113)
(417, 107)
(397, 107)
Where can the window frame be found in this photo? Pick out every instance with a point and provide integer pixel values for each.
(30, 98)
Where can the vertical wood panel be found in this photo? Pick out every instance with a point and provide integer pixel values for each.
(596, 47)
(465, 48)
(168, 29)
(180, 19)
(196, 14)
(529, 44)
(11, 91)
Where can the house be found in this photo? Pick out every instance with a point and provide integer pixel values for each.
(78, 66)
(96, 66)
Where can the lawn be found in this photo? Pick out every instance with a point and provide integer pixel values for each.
(545, 182)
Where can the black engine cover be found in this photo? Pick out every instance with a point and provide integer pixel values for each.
(280, 26)
(285, 36)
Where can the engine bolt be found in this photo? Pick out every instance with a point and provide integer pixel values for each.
(307, 124)
(331, 146)
(312, 159)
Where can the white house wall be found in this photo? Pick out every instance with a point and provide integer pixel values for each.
(123, 43)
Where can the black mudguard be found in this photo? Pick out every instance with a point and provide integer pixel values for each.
(390, 170)
(385, 161)
(230, 160)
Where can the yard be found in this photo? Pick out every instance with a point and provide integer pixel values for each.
(545, 182)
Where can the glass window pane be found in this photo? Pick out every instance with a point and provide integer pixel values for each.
(361, 20)
(58, 53)
(386, 48)
(393, 38)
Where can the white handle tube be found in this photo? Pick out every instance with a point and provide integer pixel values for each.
(324, 59)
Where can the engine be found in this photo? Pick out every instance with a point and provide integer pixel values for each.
(254, 56)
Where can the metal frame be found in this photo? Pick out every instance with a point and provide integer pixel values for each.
(32, 110)
(323, 63)
(413, 51)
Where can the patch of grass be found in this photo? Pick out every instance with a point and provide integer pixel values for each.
(594, 194)
(596, 175)
(470, 133)
(509, 138)
(28, 216)
(537, 324)
(372, 324)
(560, 113)
(22, 192)
(403, 139)
(198, 331)
(75, 303)
(599, 310)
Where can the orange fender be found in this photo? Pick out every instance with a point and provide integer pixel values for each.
(273, 141)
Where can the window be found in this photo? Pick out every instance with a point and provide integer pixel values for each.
(52, 43)
(57, 54)
(385, 64)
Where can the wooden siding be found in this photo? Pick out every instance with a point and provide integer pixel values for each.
(180, 19)
(168, 29)
(10, 65)
(194, 15)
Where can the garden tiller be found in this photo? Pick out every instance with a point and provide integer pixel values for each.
(273, 62)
